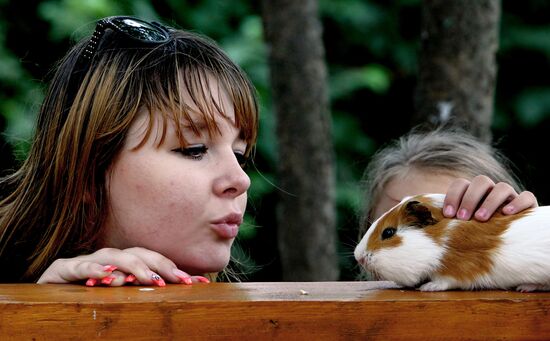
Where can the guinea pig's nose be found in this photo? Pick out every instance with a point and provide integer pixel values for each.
(362, 259)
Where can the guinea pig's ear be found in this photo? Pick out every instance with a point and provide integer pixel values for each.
(420, 214)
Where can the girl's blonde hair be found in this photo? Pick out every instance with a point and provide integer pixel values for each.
(442, 151)
(55, 204)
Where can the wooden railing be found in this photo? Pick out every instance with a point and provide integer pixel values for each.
(264, 311)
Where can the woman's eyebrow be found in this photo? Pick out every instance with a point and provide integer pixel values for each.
(199, 125)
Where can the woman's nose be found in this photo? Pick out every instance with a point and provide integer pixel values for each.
(233, 180)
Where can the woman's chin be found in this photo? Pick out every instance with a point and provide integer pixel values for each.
(204, 265)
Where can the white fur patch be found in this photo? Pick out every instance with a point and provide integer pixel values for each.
(410, 262)
(524, 257)
(437, 199)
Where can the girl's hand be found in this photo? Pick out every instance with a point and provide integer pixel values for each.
(481, 197)
(115, 267)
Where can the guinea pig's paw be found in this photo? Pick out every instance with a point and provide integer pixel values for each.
(532, 287)
(434, 286)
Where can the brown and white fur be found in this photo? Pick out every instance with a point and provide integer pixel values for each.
(427, 248)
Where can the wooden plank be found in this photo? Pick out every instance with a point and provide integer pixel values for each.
(258, 311)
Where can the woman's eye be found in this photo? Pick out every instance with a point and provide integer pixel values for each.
(193, 152)
(242, 159)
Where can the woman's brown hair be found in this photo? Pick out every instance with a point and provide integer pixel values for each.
(54, 205)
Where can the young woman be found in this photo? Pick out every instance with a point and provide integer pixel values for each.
(443, 161)
(135, 171)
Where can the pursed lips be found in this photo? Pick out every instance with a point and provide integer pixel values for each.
(227, 227)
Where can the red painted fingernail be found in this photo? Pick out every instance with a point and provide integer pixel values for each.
(185, 279)
(183, 276)
(158, 280)
(107, 280)
(91, 282)
(109, 268)
(130, 278)
(202, 279)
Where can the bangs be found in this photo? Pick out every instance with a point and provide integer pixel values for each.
(199, 72)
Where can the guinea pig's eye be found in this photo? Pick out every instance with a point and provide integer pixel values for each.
(388, 232)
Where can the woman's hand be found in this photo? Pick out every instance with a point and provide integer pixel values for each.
(481, 197)
(115, 267)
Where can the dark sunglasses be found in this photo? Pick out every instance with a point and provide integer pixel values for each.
(133, 28)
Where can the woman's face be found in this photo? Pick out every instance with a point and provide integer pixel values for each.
(414, 182)
(185, 203)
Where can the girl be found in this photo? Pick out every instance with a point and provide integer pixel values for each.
(443, 161)
(135, 171)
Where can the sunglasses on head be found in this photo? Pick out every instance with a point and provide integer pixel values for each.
(133, 28)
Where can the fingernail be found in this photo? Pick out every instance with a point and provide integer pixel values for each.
(509, 209)
(481, 213)
(185, 278)
(462, 214)
(109, 268)
(449, 211)
(157, 280)
(107, 280)
(130, 278)
(202, 279)
(91, 282)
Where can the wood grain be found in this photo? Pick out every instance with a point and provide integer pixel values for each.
(259, 311)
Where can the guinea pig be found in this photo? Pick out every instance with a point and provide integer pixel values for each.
(413, 244)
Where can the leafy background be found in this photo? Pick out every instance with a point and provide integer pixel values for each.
(371, 51)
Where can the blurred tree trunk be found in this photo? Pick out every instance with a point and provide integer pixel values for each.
(457, 76)
(306, 213)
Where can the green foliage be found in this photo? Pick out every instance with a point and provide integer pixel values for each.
(345, 81)
(530, 103)
(217, 18)
(529, 38)
(359, 17)
(19, 92)
(79, 16)
(533, 106)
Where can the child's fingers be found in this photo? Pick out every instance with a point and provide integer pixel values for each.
(499, 195)
(522, 202)
(454, 195)
(474, 195)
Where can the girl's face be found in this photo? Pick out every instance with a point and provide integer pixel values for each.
(185, 203)
(414, 182)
